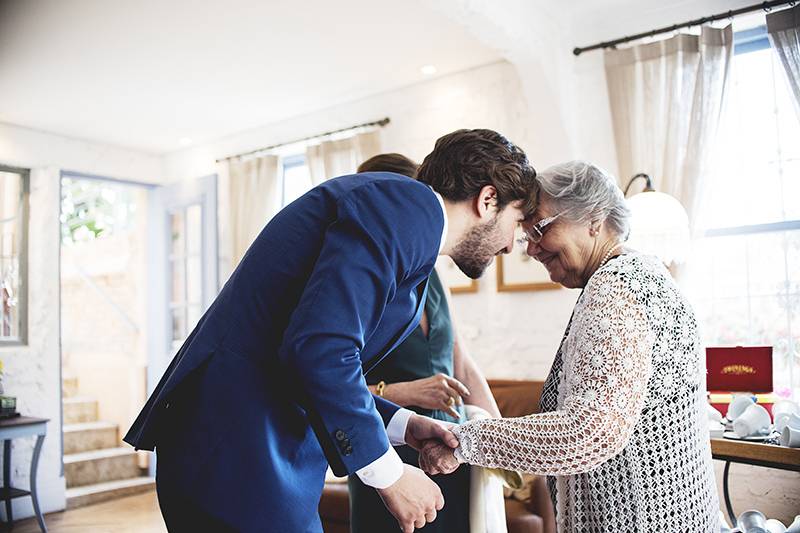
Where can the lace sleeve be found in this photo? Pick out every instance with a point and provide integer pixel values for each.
(601, 393)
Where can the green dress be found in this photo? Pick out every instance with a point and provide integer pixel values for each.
(415, 358)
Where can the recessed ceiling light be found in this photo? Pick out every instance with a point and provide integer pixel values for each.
(428, 70)
(185, 141)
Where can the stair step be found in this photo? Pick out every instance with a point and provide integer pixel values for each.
(89, 436)
(79, 409)
(98, 466)
(69, 387)
(110, 490)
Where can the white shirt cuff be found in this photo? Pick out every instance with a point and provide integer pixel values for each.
(396, 430)
(383, 471)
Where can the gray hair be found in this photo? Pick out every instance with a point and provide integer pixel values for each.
(586, 193)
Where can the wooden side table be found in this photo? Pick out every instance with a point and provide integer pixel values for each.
(751, 453)
(12, 428)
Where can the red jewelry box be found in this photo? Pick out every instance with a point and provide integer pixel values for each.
(739, 369)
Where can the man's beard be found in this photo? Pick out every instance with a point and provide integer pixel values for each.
(477, 249)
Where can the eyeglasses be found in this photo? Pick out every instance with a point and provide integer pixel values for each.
(537, 231)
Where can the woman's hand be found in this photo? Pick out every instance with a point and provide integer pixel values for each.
(436, 392)
(436, 458)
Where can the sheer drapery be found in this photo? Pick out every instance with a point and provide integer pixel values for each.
(666, 100)
(249, 190)
(336, 158)
(784, 34)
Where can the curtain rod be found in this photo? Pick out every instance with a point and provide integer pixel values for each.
(766, 6)
(382, 122)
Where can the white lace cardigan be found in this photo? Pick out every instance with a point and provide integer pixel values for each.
(622, 427)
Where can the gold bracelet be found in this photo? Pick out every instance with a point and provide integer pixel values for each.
(380, 388)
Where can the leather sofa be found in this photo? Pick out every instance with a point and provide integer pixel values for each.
(533, 515)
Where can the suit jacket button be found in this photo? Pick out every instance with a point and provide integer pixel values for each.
(348, 450)
(339, 434)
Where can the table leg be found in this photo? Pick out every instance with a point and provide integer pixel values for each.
(37, 450)
(7, 478)
(726, 493)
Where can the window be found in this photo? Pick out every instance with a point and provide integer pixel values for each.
(14, 190)
(748, 284)
(186, 271)
(296, 179)
(95, 209)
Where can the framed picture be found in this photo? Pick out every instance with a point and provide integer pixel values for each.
(518, 271)
(452, 277)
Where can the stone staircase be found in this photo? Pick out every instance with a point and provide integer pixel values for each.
(97, 468)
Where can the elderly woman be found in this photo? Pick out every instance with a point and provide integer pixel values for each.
(621, 429)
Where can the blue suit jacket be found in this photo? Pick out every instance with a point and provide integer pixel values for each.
(270, 384)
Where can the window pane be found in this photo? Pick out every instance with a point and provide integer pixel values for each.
(788, 123)
(755, 305)
(766, 263)
(178, 239)
(791, 188)
(195, 312)
(11, 186)
(194, 280)
(793, 258)
(296, 182)
(178, 281)
(728, 322)
(179, 331)
(755, 178)
(194, 228)
(729, 266)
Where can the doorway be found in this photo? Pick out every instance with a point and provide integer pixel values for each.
(138, 269)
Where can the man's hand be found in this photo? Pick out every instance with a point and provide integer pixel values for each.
(413, 499)
(422, 428)
(436, 458)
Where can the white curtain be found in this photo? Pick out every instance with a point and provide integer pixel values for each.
(666, 101)
(784, 34)
(249, 191)
(336, 158)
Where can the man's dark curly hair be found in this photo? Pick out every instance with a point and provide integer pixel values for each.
(465, 161)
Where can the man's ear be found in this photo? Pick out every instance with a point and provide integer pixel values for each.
(485, 202)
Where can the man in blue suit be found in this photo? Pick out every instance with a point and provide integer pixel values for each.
(269, 389)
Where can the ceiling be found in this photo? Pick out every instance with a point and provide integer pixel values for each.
(148, 73)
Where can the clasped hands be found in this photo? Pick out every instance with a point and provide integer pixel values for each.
(437, 458)
(435, 442)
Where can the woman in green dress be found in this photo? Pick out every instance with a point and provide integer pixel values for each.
(431, 373)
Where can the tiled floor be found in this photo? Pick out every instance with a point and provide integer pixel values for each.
(133, 514)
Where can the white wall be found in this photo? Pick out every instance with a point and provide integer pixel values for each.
(29, 148)
(33, 371)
